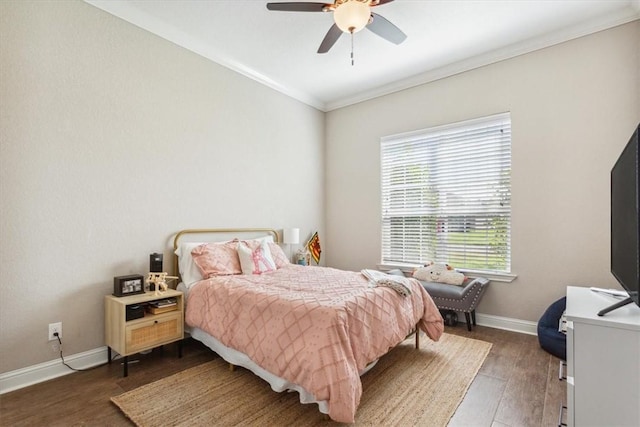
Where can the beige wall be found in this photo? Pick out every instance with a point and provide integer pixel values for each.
(111, 140)
(573, 108)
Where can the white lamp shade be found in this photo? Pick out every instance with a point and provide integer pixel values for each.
(291, 236)
(352, 15)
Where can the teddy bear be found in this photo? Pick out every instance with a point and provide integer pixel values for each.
(441, 273)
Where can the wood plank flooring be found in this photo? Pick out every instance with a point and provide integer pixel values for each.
(517, 386)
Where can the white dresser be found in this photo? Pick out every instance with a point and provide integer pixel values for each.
(603, 361)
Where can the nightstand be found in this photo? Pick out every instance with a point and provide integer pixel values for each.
(150, 330)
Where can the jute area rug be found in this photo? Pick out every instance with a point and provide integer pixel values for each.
(407, 387)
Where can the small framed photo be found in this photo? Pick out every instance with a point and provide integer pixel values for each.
(128, 285)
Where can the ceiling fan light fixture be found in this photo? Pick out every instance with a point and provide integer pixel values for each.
(352, 16)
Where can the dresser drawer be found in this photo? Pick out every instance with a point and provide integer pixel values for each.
(158, 330)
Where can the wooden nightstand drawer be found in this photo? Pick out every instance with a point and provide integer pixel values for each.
(161, 330)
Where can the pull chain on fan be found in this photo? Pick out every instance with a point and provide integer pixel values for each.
(350, 16)
(352, 49)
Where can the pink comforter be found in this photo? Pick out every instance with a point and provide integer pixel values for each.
(316, 327)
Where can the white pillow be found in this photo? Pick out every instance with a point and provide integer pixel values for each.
(189, 271)
(255, 262)
(268, 238)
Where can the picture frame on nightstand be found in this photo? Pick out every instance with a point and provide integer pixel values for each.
(128, 285)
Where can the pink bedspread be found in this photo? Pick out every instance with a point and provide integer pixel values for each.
(316, 327)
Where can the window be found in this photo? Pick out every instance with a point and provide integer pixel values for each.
(446, 195)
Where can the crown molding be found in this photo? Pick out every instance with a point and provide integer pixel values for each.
(489, 58)
(127, 12)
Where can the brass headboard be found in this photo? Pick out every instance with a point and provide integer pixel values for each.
(181, 233)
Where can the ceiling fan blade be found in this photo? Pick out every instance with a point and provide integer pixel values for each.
(330, 39)
(386, 29)
(297, 7)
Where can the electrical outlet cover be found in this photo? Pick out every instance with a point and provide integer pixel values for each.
(55, 327)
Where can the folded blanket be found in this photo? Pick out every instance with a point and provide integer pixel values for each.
(378, 278)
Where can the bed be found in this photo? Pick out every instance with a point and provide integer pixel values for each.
(313, 330)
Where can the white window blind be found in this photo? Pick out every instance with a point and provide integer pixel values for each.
(446, 195)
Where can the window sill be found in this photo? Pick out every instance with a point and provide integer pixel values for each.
(491, 275)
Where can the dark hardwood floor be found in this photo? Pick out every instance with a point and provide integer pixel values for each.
(517, 386)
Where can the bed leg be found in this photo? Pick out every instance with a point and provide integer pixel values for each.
(417, 338)
(232, 367)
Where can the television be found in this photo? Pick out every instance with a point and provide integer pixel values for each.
(625, 222)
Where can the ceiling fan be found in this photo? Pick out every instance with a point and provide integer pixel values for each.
(350, 16)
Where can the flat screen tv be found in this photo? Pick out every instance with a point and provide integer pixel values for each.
(625, 222)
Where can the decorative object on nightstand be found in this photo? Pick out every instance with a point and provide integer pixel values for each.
(290, 236)
(303, 257)
(158, 282)
(137, 323)
(128, 285)
(155, 263)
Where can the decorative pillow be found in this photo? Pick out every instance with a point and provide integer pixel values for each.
(268, 238)
(278, 255)
(217, 259)
(255, 261)
(189, 271)
(441, 273)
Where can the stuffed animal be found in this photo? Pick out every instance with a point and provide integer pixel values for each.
(441, 273)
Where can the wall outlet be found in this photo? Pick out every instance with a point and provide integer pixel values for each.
(55, 327)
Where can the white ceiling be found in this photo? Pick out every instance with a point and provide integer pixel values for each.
(444, 38)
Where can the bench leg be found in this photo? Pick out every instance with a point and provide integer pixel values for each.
(468, 319)
(473, 317)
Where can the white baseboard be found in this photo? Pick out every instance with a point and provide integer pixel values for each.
(507, 323)
(24, 377)
(48, 370)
